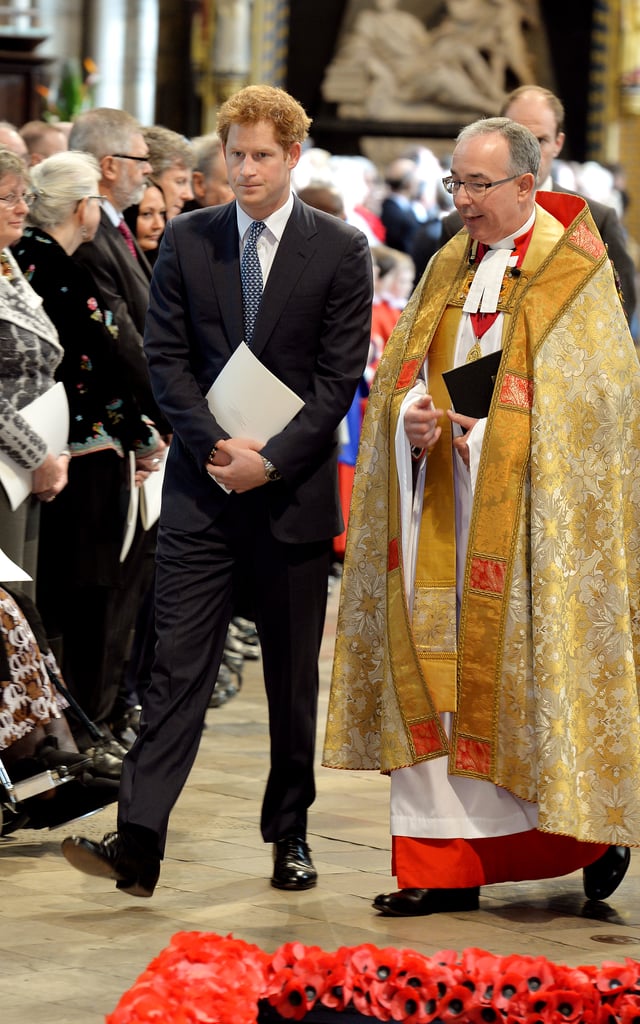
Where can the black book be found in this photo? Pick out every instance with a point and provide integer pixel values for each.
(471, 385)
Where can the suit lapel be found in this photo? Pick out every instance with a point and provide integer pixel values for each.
(222, 254)
(140, 267)
(221, 250)
(294, 252)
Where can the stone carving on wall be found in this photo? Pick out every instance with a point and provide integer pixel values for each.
(390, 65)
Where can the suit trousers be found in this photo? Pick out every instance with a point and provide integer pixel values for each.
(197, 581)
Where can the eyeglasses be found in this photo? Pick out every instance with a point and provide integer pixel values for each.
(128, 156)
(12, 200)
(474, 189)
(101, 200)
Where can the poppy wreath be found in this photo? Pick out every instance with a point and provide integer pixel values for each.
(203, 977)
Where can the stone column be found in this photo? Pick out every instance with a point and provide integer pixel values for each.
(122, 38)
(270, 41)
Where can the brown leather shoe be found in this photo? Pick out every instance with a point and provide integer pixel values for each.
(416, 902)
(109, 858)
(292, 866)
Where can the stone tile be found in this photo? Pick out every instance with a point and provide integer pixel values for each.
(71, 945)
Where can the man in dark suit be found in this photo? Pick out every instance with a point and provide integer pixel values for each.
(123, 276)
(398, 214)
(272, 525)
(542, 113)
(115, 139)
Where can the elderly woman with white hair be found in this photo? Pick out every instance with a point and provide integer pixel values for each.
(81, 591)
(29, 355)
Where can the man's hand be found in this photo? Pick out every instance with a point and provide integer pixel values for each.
(460, 443)
(237, 464)
(421, 423)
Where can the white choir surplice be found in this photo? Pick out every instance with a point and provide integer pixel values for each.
(425, 800)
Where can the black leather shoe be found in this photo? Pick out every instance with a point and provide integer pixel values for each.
(416, 902)
(102, 764)
(292, 866)
(110, 859)
(603, 877)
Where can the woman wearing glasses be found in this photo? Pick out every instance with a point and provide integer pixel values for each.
(29, 354)
(81, 535)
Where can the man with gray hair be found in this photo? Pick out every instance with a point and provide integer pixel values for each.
(171, 159)
(209, 177)
(123, 275)
(541, 111)
(494, 553)
(118, 266)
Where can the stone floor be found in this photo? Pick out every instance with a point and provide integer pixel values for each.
(71, 945)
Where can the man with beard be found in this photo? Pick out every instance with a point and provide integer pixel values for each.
(118, 266)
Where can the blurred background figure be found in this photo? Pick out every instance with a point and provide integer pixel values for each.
(43, 139)
(209, 175)
(323, 197)
(171, 159)
(427, 207)
(394, 272)
(11, 139)
(398, 208)
(356, 179)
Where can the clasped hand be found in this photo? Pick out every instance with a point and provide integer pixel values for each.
(422, 430)
(51, 477)
(237, 464)
(421, 423)
(150, 463)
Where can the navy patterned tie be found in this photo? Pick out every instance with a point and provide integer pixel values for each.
(251, 274)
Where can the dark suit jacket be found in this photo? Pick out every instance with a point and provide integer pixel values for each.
(124, 285)
(400, 223)
(611, 232)
(312, 331)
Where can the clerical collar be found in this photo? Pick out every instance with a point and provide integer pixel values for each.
(510, 241)
(490, 269)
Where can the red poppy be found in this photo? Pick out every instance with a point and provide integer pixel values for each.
(407, 1006)
(627, 1009)
(611, 977)
(202, 976)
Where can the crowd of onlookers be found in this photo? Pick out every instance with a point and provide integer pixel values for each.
(83, 208)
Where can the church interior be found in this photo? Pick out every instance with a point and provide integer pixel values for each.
(71, 946)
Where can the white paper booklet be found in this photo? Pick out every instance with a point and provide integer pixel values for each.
(249, 401)
(10, 572)
(132, 510)
(48, 415)
(151, 494)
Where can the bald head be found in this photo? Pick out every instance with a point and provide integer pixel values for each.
(542, 113)
(10, 139)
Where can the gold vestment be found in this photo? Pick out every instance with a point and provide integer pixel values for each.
(543, 669)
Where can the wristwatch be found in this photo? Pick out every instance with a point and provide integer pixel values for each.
(270, 471)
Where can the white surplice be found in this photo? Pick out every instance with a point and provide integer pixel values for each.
(425, 800)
